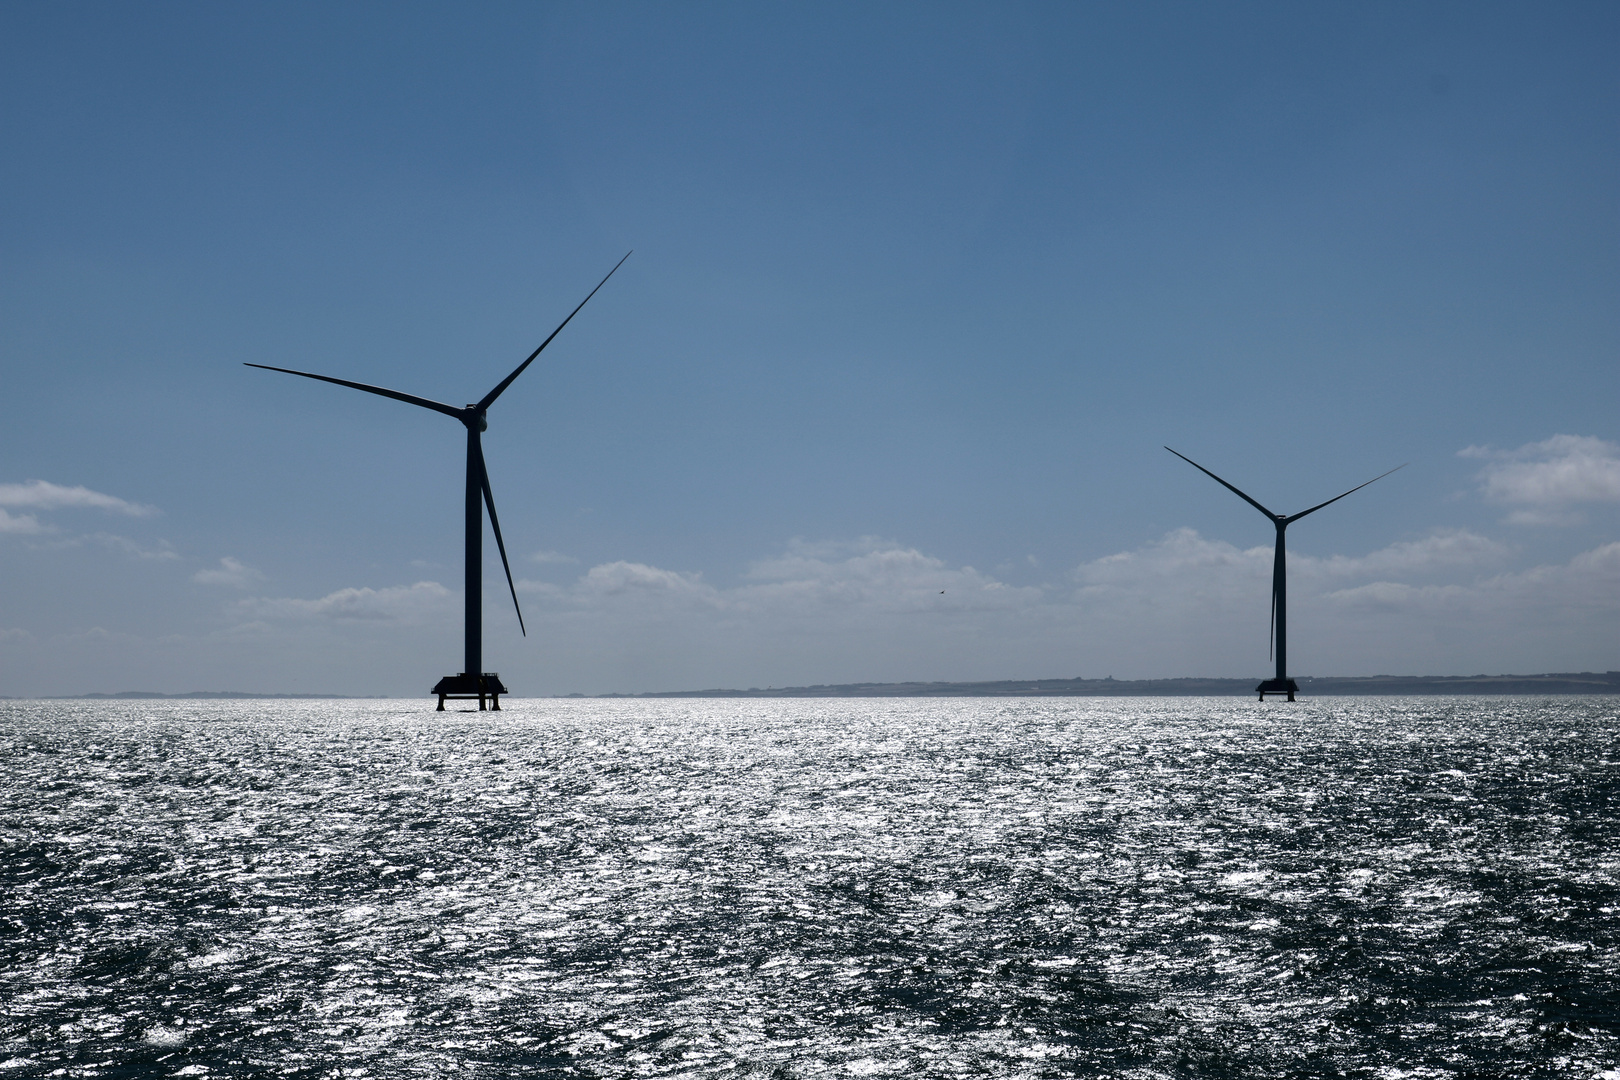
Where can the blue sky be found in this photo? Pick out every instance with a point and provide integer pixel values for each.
(918, 293)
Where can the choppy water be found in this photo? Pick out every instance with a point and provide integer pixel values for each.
(933, 888)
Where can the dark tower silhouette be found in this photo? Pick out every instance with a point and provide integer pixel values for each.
(473, 681)
(1282, 684)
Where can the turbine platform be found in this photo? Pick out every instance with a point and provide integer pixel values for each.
(464, 687)
(1278, 686)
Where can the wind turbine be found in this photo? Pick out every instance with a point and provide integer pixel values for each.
(1282, 684)
(473, 681)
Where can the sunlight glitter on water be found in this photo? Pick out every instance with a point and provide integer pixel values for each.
(941, 887)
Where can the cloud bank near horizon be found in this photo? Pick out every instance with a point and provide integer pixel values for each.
(1453, 601)
(877, 610)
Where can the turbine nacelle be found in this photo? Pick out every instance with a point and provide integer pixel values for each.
(474, 415)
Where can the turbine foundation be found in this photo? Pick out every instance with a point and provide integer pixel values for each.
(464, 687)
(1278, 687)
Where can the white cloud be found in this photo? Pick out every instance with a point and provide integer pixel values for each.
(231, 573)
(162, 552)
(868, 609)
(622, 578)
(1179, 605)
(20, 524)
(1183, 569)
(1444, 550)
(1542, 480)
(401, 603)
(1182, 556)
(1589, 584)
(826, 580)
(43, 495)
(1439, 604)
(874, 610)
(1551, 617)
(877, 576)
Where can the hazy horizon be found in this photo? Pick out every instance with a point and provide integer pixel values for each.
(743, 690)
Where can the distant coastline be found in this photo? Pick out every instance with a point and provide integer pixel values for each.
(1583, 682)
(207, 695)
(1579, 682)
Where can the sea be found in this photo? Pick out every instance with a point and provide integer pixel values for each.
(942, 887)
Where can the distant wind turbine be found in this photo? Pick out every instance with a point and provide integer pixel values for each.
(473, 681)
(1282, 684)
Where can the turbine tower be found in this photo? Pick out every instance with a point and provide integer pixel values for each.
(1282, 684)
(473, 681)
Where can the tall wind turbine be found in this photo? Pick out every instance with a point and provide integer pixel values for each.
(473, 681)
(1282, 684)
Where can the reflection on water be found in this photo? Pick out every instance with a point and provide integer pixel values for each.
(1127, 887)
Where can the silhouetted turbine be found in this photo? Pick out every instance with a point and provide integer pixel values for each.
(473, 682)
(1279, 576)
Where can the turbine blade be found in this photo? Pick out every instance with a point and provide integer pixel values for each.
(409, 399)
(489, 501)
(1271, 634)
(489, 398)
(1336, 498)
(1225, 485)
(1277, 572)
